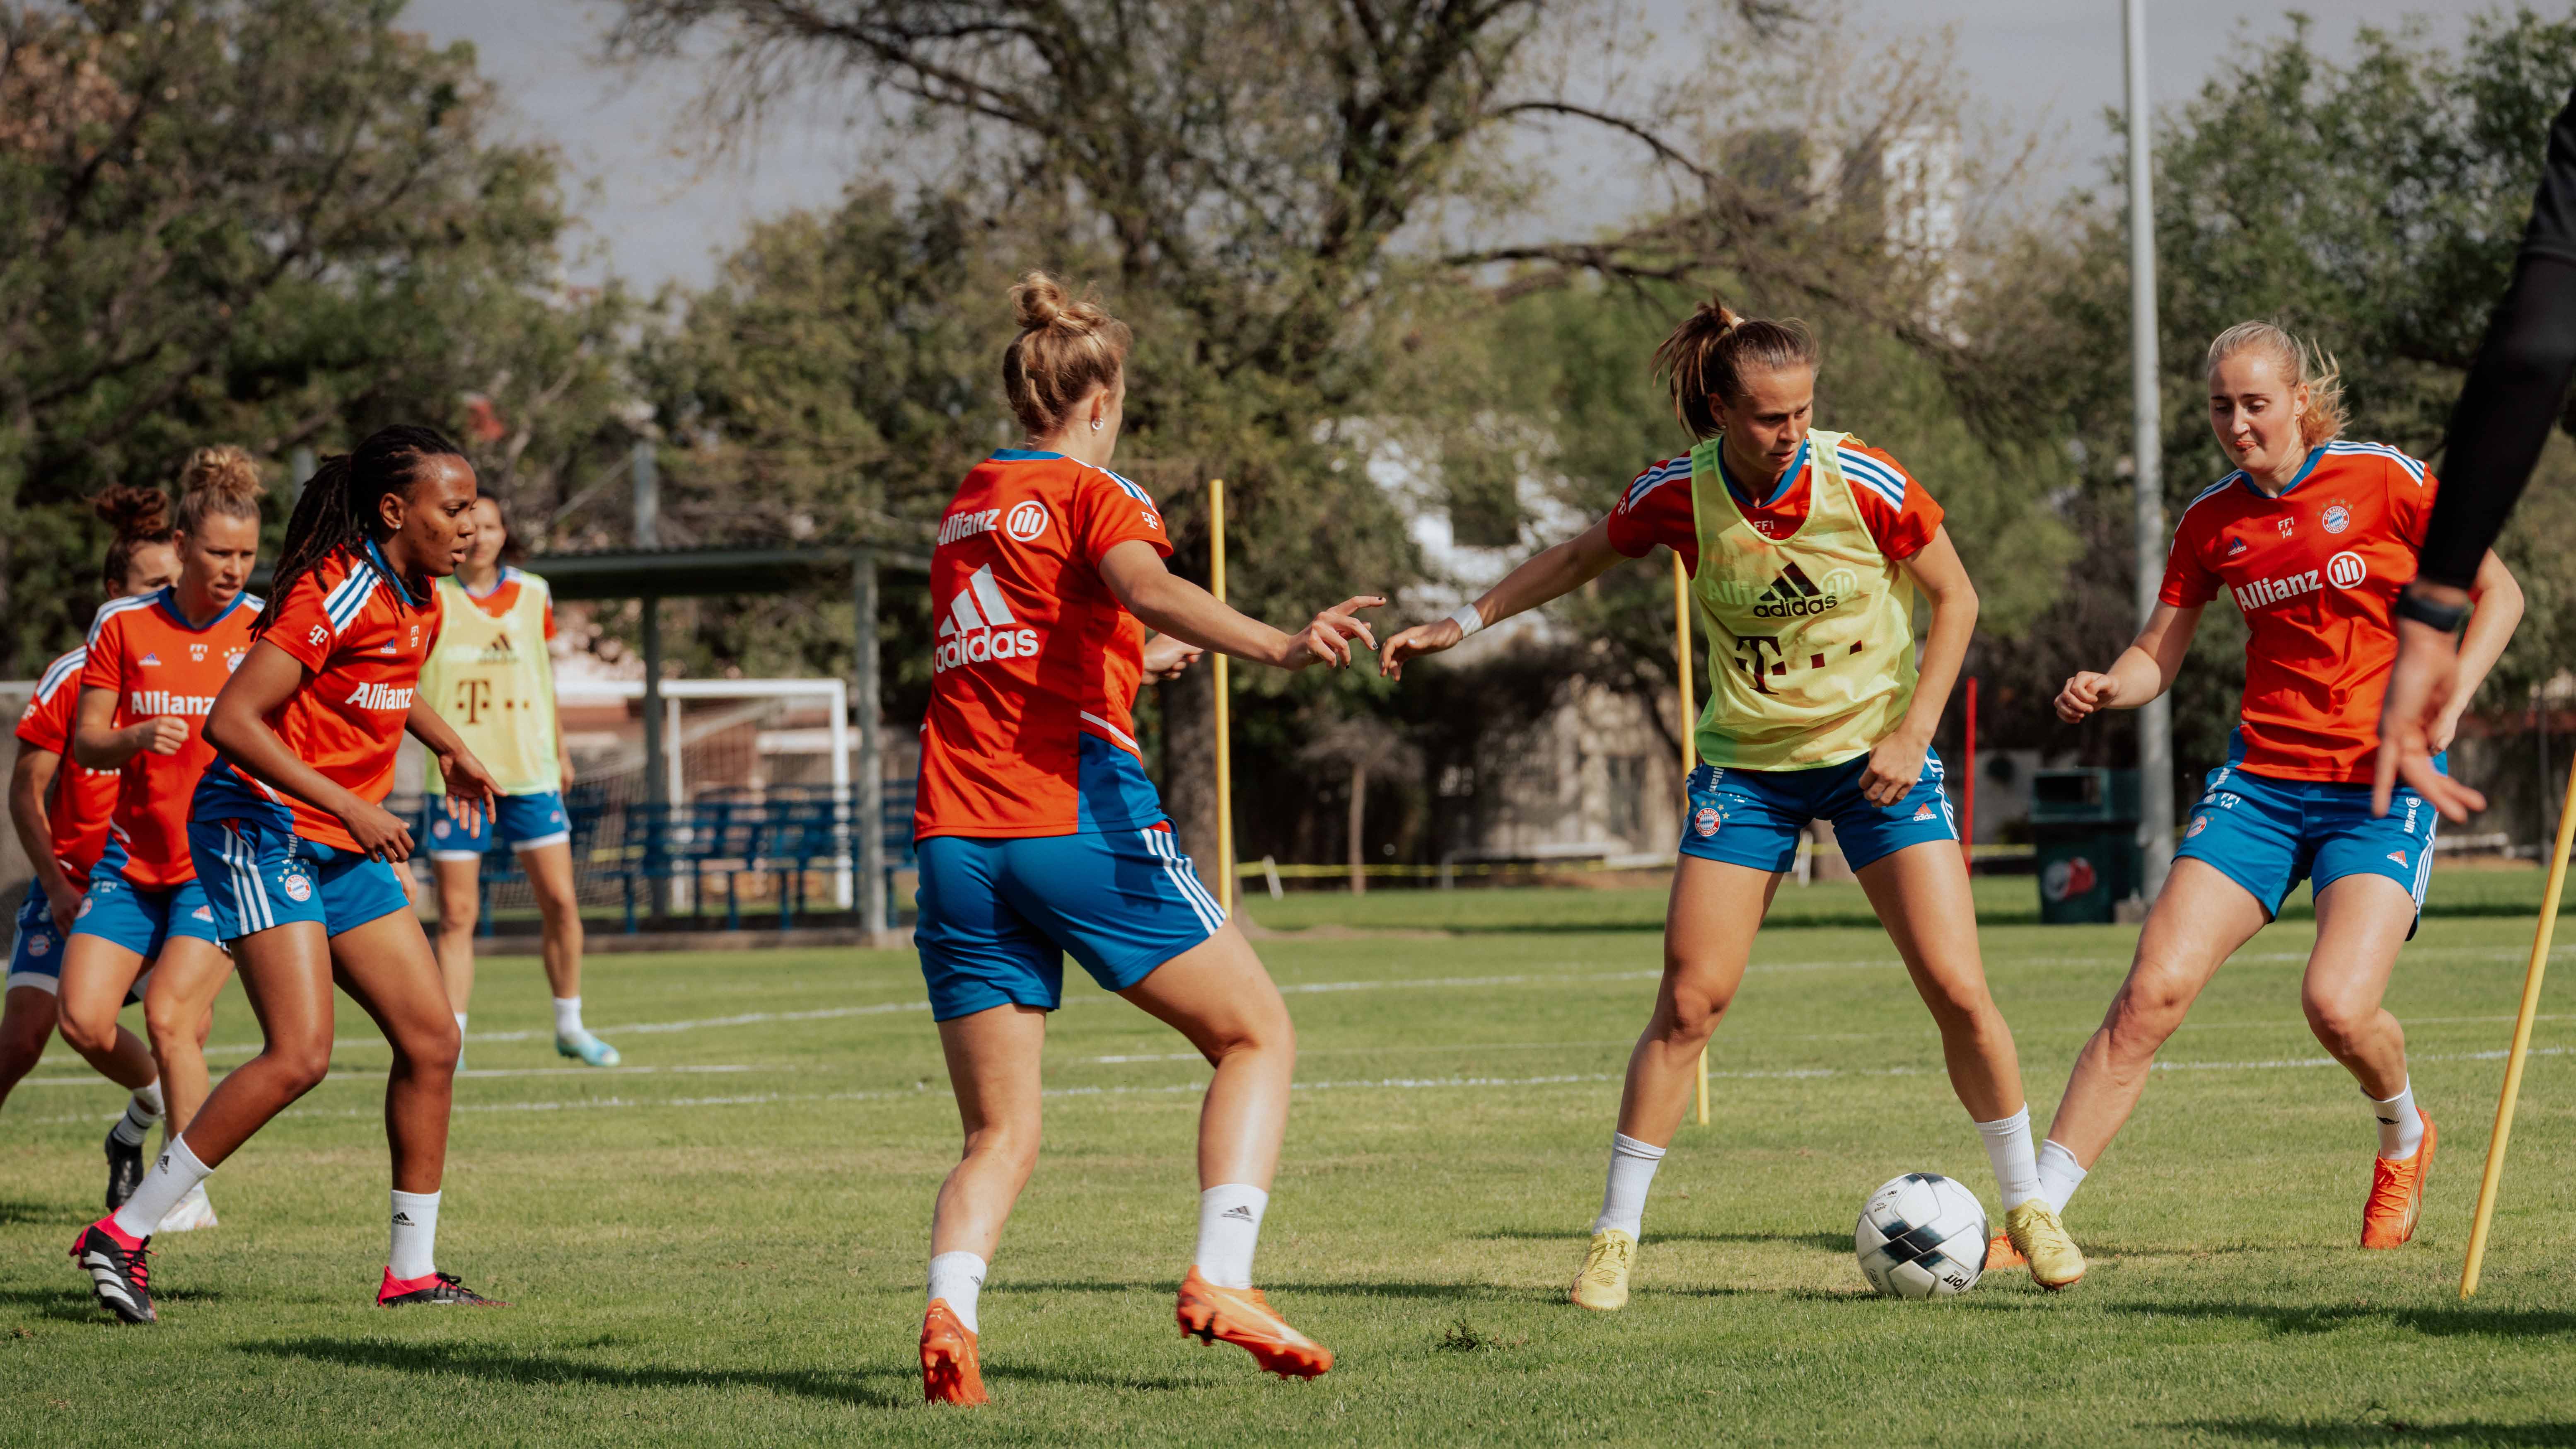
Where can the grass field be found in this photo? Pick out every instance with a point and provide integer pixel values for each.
(723, 1242)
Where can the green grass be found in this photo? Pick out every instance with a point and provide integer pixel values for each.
(725, 1244)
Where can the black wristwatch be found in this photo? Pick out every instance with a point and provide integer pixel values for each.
(2445, 617)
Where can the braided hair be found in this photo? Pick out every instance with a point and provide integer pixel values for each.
(339, 507)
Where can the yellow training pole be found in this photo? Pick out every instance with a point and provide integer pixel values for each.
(1690, 722)
(2521, 1039)
(1224, 738)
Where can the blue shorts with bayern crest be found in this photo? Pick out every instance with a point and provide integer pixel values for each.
(142, 921)
(259, 875)
(2267, 834)
(36, 952)
(522, 822)
(1752, 817)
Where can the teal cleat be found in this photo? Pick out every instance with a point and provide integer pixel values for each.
(589, 1049)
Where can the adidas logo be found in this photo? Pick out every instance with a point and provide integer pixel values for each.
(1238, 1212)
(978, 627)
(2398, 856)
(1793, 595)
(2235, 546)
(402, 1220)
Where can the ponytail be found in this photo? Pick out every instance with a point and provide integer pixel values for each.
(339, 506)
(1707, 357)
(140, 516)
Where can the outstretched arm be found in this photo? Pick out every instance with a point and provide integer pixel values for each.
(1173, 605)
(1549, 575)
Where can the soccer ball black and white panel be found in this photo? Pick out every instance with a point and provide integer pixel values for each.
(1921, 1236)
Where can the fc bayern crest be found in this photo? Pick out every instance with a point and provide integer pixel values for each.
(1705, 823)
(40, 943)
(2199, 823)
(297, 887)
(2338, 518)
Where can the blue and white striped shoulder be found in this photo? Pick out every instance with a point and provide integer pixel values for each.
(2411, 467)
(66, 668)
(114, 607)
(1139, 494)
(349, 597)
(1875, 474)
(1656, 475)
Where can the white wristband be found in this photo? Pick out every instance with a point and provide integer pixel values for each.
(1467, 620)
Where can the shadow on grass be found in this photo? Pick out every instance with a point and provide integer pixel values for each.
(1828, 1242)
(14, 1211)
(1167, 1287)
(2391, 1431)
(2327, 1318)
(548, 1370)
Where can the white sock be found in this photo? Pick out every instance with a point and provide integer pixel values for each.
(414, 1253)
(2059, 1176)
(958, 1278)
(1229, 1229)
(2401, 1131)
(2008, 1148)
(1623, 1197)
(140, 1113)
(174, 1172)
(567, 1016)
(149, 1094)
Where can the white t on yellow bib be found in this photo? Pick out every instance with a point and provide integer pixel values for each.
(1811, 637)
(490, 678)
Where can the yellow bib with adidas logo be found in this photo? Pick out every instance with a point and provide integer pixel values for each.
(1811, 637)
(491, 679)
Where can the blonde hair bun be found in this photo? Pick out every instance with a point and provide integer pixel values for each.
(1066, 348)
(227, 472)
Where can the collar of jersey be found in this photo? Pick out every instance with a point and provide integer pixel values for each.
(167, 600)
(1788, 479)
(500, 581)
(384, 570)
(1022, 455)
(2306, 468)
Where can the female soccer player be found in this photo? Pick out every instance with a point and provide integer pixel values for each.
(490, 678)
(1039, 834)
(154, 665)
(297, 851)
(1805, 550)
(2314, 537)
(62, 819)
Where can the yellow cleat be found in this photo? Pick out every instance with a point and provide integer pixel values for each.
(1602, 1286)
(2055, 1261)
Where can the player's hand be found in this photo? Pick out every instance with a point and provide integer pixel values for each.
(1328, 639)
(2416, 709)
(1413, 643)
(62, 902)
(162, 734)
(1895, 768)
(470, 788)
(1167, 657)
(2086, 693)
(381, 834)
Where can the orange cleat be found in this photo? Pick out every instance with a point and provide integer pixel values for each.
(1241, 1316)
(949, 1372)
(2397, 1193)
(2002, 1254)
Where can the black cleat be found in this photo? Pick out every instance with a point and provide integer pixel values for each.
(119, 1276)
(124, 1169)
(438, 1290)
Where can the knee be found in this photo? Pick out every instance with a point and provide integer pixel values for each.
(22, 1041)
(1688, 1013)
(2340, 1024)
(429, 1047)
(458, 914)
(300, 1066)
(2145, 1013)
(91, 1037)
(1007, 1144)
(167, 1019)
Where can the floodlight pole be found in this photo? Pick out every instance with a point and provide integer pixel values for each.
(2155, 720)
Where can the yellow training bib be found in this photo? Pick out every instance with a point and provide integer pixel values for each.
(490, 678)
(1811, 637)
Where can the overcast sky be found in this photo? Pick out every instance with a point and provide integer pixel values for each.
(655, 213)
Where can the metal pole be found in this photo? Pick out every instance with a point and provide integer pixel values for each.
(1224, 750)
(299, 467)
(867, 796)
(657, 787)
(2155, 721)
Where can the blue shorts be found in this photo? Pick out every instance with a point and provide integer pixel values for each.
(2267, 834)
(523, 822)
(998, 916)
(1752, 817)
(259, 875)
(143, 921)
(36, 952)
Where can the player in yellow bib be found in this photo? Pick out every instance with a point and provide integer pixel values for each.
(1806, 551)
(491, 679)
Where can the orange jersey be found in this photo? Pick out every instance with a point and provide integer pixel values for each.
(1034, 663)
(2316, 572)
(361, 638)
(157, 664)
(82, 800)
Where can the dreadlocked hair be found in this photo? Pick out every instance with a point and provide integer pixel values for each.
(140, 516)
(339, 507)
(218, 480)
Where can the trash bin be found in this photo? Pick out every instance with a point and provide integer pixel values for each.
(2084, 824)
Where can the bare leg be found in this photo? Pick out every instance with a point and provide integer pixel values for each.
(1217, 994)
(177, 1008)
(286, 973)
(2198, 922)
(2362, 920)
(460, 905)
(993, 1068)
(1921, 896)
(96, 975)
(386, 967)
(1709, 924)
(549, 871)
(26, 1024)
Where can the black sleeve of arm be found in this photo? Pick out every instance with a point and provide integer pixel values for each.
(2514, 392)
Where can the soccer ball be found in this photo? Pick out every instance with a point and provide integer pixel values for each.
(1921, 1236)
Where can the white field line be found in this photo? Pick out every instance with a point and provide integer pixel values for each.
(477, 1074)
